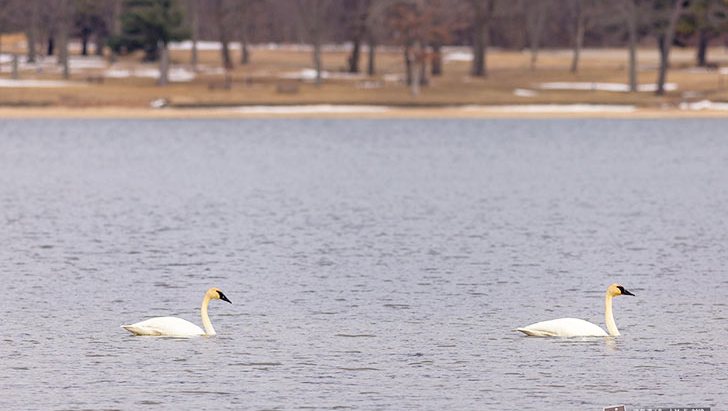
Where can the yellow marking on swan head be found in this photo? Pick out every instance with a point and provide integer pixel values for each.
(215, 293)
(616, 289)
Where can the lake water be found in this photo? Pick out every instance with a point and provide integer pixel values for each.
(378, 264)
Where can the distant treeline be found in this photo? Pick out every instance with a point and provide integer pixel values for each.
(420, 27)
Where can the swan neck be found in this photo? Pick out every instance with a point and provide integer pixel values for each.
(609, 316)
(205, 318)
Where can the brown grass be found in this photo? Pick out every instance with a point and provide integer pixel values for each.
(256, 83)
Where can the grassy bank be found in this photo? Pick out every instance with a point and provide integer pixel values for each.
(268, 81)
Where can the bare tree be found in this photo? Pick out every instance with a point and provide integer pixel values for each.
(579, 29)
(411, 22)
(32, 29)
(245, 11)
(193, 13)
(665, 39)
(482, 13)
(371, 54)
(356, 14)
(114, 23)
(376, 18)
(630, 11)
(221, 13)
(163, 63)
(708, 19)
(65, 10)
(313, 14)
(443, 18)
(536, 15)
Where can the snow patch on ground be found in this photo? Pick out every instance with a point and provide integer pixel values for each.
(704, 105)
(176, 74)
(458, 56)
(310, 75)
(87, 63)
(393, 78)
(307, 109)
(592, 86)
(37, 83)
(45, 63)
(554, 108)
(522, 92)
(202, 45)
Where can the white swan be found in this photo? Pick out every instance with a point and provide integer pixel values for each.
(177, 327)
(574, 327)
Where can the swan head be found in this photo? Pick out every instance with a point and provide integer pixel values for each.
(616, 289)
(217, 294)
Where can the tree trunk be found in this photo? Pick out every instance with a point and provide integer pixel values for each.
(422, 62)
(244, 51)
(436, 66)
(84, 41)
(536, 18)
(99, 47)
(243, 33)
(227, 62)
(665, 44)
(63, 35)
(631, 14)
(115, 25)
(195, 23)
(478, 68)
(32, 30)
(163, 64)
(353, 59)
(312, 14)
(703, 40)
(414, 71)
(578, 36)
(482, 12)
(317, 58)
(372, 53)
(51, 46)
(408, 65)
(15, 74)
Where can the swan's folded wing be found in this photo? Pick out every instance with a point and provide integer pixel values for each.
(165, 326)
(563, 327)
(140, 330)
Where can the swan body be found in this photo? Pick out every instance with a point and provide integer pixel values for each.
(574, 327)
(169, 326)
(178, 327)
(564, 327)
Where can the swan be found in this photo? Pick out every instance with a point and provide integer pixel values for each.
(574, 327)
(177, 327)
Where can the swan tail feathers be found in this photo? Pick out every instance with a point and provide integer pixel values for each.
(136, 330)
(534, 333)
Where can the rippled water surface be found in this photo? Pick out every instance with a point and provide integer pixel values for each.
(372, 264)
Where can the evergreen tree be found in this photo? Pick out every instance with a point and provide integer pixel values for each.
(149, 25)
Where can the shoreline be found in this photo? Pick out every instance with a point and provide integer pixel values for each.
(564, 111)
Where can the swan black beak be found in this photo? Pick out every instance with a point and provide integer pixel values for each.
(625, 292)
(222, 297)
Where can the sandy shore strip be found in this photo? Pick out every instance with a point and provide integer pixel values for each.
(368, 112)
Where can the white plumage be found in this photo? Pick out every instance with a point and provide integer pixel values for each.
(165, 326)
(178, 327)
(574, 327)
(564, 327)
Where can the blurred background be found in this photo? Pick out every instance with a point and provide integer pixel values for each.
(199, 53)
